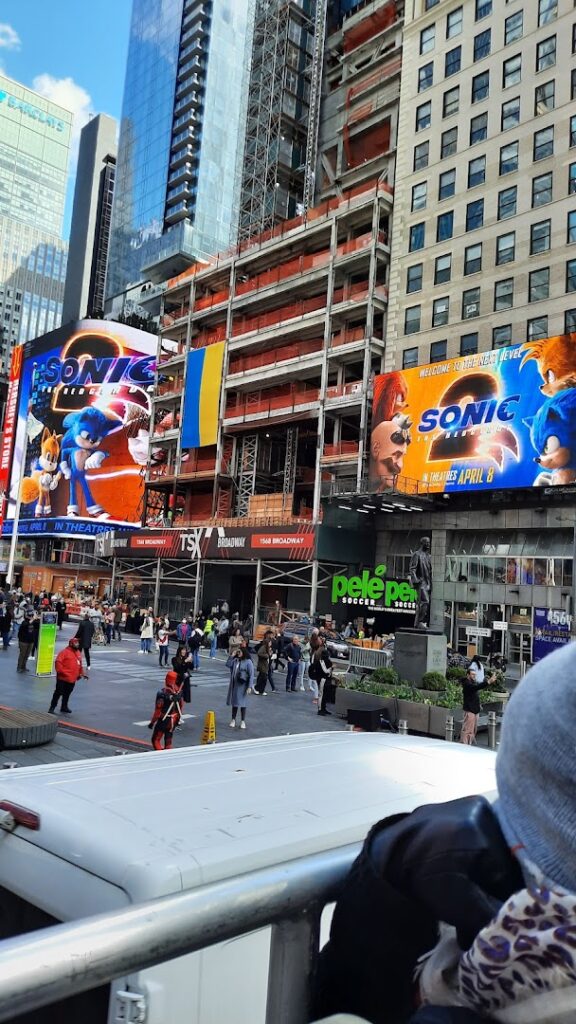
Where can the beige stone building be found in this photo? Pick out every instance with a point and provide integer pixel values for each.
(484, 240)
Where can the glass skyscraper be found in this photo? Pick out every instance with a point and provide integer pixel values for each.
(181, 136)
(34, 150)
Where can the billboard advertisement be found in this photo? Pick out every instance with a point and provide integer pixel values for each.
(87, 389)
(9, 433)
(551, 630)
(202, 396)
(504, 418)
(294, 543)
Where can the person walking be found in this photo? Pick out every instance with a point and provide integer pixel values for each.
(60, 611)
(85, 635)
(241, 683)
(194, 644)
(5, 626)
(117, 631)
(163, 640)
(471, 705)
(36, 632)
(167, 712)
(293, 653)
(264, 655)
(183, 631)
(109, 626)
(236, 640)
(182, 664)
(321, 670)
(25, 641)
(69, 670)
(304, 666)
(146, 633)
(213, 640)
(223, 630)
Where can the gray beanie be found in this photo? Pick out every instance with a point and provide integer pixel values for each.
(536, 767)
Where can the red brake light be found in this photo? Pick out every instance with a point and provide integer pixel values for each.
(22, 816)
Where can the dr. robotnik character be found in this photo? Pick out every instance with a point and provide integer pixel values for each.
(553, 434)
(86, 429)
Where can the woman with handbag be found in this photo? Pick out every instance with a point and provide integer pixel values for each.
(241, 680)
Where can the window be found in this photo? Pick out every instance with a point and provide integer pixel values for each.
(412, 320)
(573, 84)
(437, 351)
(543, 145)
(440, 311)
(569, 322)
(574, 37)
(429, 4)
(414, 278)
(513, 27)
(417, 236)
(572, 131)
(478, 128)
(453, 61)
(427, 39)
(482, 45)
(483, 9)
(571, 276)
(425, 76)
(546, 53)
(445, 226)
(571, 179)
(451, 102)
(539, 284)
(510, 114)
(547, 11)
(468, 344)
(505, 248)
(443, 269)
(471, 303)
(504, 294)
(502, 336)
(475, 215)
(454, 23)
(507, 203)
(544, 98)
(473, 259)
(542, 189)
(448, 142)
(409, 358)
(419, 196)
(540, 237)
(512, 71)
(571, 227)
(480, 86)
(537, 328)
(421, 154)
(477, 172)
(509, 158)
(447, 184)
(423, 116)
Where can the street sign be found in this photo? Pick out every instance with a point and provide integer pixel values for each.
(501, 626)
(46, 644)
(478, 631)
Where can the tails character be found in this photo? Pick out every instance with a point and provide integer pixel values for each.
(556, 359)
(44, 477)
(553, 434)
(85, 431)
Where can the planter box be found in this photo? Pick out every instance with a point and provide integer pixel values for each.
(417, 715)
(432, 695)
(438, 718)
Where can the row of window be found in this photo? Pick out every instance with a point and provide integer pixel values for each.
(547, 10)
(501, 337)
(507, 204)
(538, 290)
(513, 27)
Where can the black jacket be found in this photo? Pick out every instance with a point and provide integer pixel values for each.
(26, 632)
(444, 862)
(85, 632)
(470, 698)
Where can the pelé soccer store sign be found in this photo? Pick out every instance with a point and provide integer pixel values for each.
(372, 590)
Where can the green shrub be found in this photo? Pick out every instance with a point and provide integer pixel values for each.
(452, 697)
(433, 681)
(385, 676)
(456, 672)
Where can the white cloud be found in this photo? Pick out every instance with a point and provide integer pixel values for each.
(71, 96)
(9, 38)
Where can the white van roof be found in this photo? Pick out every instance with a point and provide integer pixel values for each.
(158, 823)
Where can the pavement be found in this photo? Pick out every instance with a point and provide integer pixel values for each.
(113, 707)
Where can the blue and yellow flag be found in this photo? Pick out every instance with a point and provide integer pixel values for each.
(202, 396)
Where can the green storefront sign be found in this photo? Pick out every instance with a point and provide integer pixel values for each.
(372, 588)
(46, 644)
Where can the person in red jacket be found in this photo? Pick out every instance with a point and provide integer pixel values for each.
(167, 712)
(69, 669)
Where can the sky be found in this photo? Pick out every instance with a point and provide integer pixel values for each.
(72, 52)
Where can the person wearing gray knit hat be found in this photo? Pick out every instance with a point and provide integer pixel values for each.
(536, 769)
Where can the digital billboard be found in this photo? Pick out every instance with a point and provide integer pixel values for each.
(86, 391)
(504, 418)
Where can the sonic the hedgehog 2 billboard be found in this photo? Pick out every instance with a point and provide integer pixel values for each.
(85, 400)
(505, 418)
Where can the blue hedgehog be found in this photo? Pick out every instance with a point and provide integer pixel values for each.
(85, 431)
(553, 434)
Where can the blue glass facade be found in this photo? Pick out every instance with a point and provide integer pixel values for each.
(181, 132)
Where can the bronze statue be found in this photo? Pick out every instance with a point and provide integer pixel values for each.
(421, 581)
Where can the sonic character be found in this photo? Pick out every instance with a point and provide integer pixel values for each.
(85, 431)
(553, 434)
(44, 477)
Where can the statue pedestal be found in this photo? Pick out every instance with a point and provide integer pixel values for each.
(417, 651)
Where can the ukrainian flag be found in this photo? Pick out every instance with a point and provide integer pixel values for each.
(202, 396)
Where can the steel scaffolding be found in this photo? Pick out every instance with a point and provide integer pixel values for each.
(315, 71)
(247, 473)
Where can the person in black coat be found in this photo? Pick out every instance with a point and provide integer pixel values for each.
(182, 664)
(84, 634)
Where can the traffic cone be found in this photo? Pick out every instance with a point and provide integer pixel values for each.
(209, 730)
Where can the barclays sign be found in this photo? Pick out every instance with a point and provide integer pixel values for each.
(26, 108)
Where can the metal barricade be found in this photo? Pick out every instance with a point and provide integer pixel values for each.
(367, 659)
